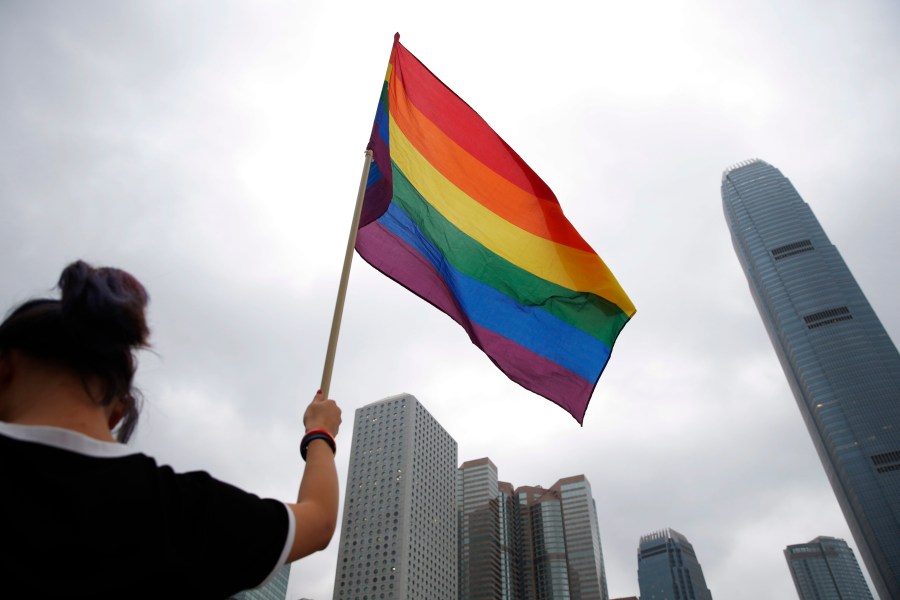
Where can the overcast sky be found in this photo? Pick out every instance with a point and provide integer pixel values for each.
(214, 150)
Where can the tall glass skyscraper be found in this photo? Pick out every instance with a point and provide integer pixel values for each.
(587, 574)
(527, 543)
(399, 531)
(488, 540)
(839, 361)
(668, 568)
(825, 569)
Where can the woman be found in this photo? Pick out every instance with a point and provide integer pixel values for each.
(81, 514)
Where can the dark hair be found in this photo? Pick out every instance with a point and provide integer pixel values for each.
(93, 330)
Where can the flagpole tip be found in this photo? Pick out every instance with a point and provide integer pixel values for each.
(396, 37)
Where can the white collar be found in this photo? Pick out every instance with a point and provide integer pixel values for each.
(65, 439)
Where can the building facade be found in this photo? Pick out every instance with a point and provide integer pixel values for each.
(587, 574)
(826, 569)
(487, 560)
(399, 528)
(841, 365)
(668, 568)
(275, 588)
(527, 543)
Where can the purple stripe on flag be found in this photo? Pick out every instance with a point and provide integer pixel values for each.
(536, 373)
(402, 263)
(378, 196)
(377, 200)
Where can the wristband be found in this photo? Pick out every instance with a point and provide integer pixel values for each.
(316, 434)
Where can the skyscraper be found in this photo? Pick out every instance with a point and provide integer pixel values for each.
(487, 540)
(275, 589)
(530, 542)
(839, 361)
(548, 575)
(825, 569)
(587, 574)
(668, 568)
(399, 529)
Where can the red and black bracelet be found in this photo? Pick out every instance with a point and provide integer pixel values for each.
(316, 434)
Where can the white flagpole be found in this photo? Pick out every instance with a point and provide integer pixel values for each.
(345, 276)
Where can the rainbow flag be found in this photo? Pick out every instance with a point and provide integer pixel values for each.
(454, 215)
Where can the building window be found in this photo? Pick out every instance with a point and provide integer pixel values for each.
(887, 462)
(827, 317)
(791, 249)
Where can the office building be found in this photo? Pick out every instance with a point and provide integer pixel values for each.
(399, 528)
(826, 569)
(545, 569)
(587, 575)
(529, 542)
(487, 541)
(275, 588)
(840, 363)
(668, 568)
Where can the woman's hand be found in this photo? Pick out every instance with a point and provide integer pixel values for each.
(324, 414)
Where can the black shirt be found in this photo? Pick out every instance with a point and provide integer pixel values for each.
(82, 518)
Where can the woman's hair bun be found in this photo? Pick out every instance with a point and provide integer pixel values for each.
(104, 304)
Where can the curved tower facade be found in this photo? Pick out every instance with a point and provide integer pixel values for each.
(839, 361)
(668, 568)
(826, 569)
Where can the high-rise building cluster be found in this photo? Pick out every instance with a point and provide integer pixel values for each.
(528, 542)
(417, 527)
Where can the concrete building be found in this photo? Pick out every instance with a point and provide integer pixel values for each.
(399, 528)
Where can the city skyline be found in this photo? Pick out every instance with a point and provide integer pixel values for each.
(528, 541)
(493, 544)
(214, 150)
(842, 366)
